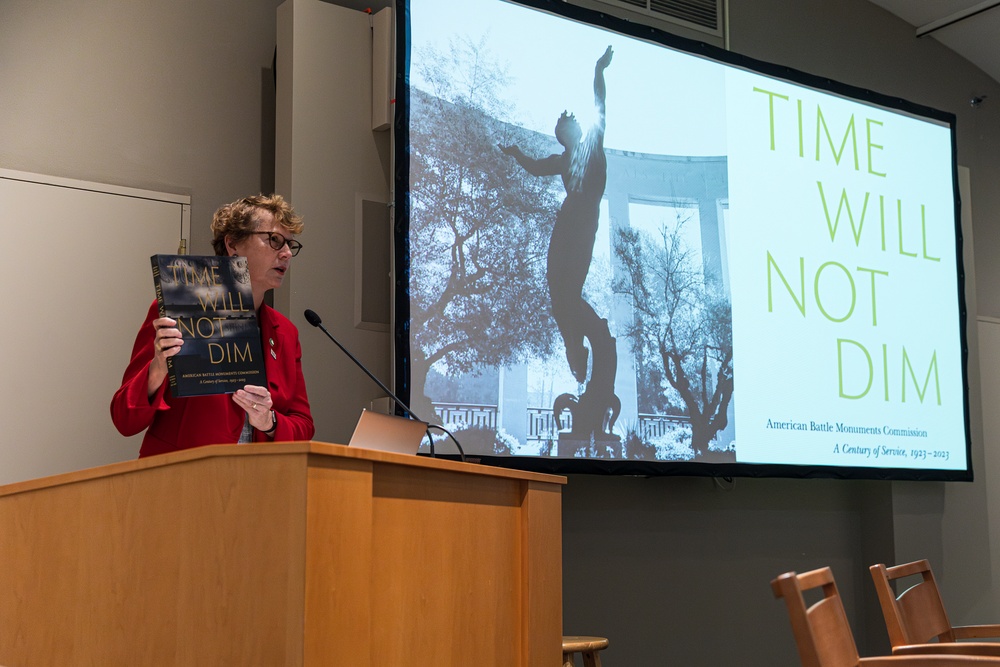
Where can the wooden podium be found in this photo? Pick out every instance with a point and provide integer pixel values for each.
(282, 554)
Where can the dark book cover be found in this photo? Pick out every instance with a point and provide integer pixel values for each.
(211, 300)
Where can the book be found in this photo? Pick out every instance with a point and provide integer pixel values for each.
(211, 300)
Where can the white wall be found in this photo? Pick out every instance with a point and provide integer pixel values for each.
(327, 156)
(63, 352)
(164, 96)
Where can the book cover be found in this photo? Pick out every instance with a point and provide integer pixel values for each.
(211, 300)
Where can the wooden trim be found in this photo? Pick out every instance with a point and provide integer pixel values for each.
(312, 447)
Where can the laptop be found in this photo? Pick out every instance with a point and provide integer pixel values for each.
(387, 433)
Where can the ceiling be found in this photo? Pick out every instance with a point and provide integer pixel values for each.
(970, 28)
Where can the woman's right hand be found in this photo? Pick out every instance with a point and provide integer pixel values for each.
(167, 342)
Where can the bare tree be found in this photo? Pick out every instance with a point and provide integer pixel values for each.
(684, 321)
(478, 226)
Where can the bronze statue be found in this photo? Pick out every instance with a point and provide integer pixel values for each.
(583, 168)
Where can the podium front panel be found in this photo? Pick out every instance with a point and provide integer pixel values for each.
(284, 554)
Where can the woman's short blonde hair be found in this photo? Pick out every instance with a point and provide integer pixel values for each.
(239, 219)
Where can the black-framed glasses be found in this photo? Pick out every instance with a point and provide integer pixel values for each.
(277, 241)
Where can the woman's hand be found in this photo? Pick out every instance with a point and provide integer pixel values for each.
(257, 403)
(167, 342)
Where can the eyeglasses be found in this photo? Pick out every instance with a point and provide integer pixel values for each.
(277, 241)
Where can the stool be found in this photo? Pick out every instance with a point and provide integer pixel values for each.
(588, 647)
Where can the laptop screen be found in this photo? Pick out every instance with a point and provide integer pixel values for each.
(387, 433)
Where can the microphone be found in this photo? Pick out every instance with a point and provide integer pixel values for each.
(314, 319)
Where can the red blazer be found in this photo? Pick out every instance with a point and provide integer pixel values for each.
(173, 423)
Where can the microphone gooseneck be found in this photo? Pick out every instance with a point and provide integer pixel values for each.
(314, 319)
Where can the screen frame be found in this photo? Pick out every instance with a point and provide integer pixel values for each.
(554, 465)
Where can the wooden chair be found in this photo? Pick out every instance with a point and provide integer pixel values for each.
(916, 619)
(824, 637)
(588, 647)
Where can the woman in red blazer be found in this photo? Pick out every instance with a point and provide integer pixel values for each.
(262, 229)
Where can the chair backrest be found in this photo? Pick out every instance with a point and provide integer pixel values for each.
(917, 615)
(821, 630)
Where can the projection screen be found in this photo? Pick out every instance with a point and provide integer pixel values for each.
(620, 251)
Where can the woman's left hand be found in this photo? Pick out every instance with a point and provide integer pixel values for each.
(258, 405)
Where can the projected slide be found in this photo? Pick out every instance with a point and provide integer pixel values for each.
(620, 251)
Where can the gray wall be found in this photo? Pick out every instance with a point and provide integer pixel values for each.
(178, 96)
(166, 96)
